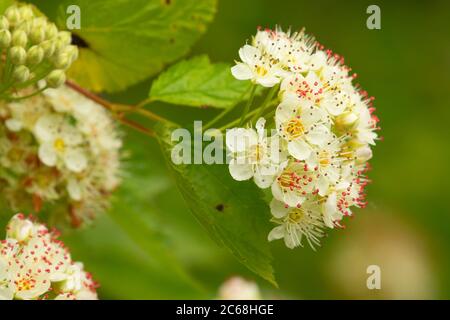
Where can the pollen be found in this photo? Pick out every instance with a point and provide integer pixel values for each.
(294, 128)
(59, 145)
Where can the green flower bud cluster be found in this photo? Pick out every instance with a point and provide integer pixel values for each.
(32, 49)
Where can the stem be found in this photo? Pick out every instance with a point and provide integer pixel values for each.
(35, 79)
(135, 126)
(89, 95)
(6, 73)
(247, 106)
(143, 112)
(144, 103)
(118, 107)
(24, 97)
(252, 113)
(266, 101)
(221, 115)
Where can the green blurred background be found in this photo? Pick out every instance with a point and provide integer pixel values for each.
(150, 246)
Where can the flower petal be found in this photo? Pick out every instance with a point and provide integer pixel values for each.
(240, 172)
(247, 54)
(329, 210)
(47, 154)
(268, 81)
(240, 139)
(318, 135)
(276, 233)
(299, 149)
(278, 208)
(241, 71)
(263, 181)
(75, 160)
(46, 128)
(74, 189)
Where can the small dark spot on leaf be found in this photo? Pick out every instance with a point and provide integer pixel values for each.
(205, 106)
(220, 207)
(172, 40)
(168, 2)
(79, 42)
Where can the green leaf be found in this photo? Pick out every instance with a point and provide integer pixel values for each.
(124, 42)
(127, 270)
(233, 213)
(4, 4)
(198, 83)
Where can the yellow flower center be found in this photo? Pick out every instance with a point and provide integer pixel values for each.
(256, 153)
(294, 128)
(261, 71)
(324, 158)
(295, 215)
(59, 145)
(24, 284)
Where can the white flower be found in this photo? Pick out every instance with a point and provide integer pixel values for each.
(60, 141)
(294, 183)
(37, 263)
(338, 204)
(326, 161)
(302, 124)
(257, 67)
(309, 87)
(296, 223)
(253, 154)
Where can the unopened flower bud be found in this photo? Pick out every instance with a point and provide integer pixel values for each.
(13, 15)
(72, 51)
(19, 38)
(18, 55)
(56, 78)
(19, 228)
(59, 46)
(24, 26)
(348, 118)
(51, 31)
(363, 154)
(26, 12)
(49, 47)
(35, 55)
(37, 34)
(4, 23)
(21, 74)
(5, 38)
(65, 37)
(62, 61)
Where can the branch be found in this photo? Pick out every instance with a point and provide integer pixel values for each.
(89, 95)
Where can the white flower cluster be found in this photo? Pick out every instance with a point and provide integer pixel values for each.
(34, 49)
(58, 147)
(34, 264)
(315, 159)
